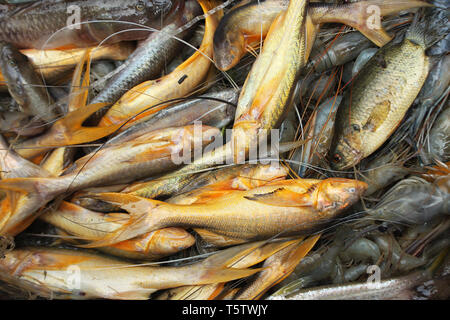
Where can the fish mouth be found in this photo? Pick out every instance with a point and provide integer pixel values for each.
(345, 156)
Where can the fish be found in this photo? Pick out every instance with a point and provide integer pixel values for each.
(25, 85)
(70, 24)
(389, 289)
(150, 154)
(108, 278)
(248, 24)
(216, 112)
(381, 94)
(281, 208)
(87, 224)
(54, 64)
(179, 83)
(150, 57)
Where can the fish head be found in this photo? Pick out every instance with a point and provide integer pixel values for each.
(12, 64)
(228, 49)
(336, 194)
(18, 261)
(347, 150)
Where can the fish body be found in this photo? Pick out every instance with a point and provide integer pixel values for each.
(24, 84)
(209, 112)
(377, 101)
(281, 208)
(241, 177)
(320, 130)
(390, 289)
(53, 24)
(54, 64)
(102, 277)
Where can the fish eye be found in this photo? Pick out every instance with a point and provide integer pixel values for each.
(356, 127)
(140, 6)
(351, 190)
(12, 63)
(337, 157)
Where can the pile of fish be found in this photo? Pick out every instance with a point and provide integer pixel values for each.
(207, 149)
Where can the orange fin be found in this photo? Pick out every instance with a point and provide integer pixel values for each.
(285, 262)
(75, 133)
(283, 198)
(80, 88)
(365, 16)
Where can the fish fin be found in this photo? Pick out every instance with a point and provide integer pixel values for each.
(282, 197)
(131, 203)
(291, 257)
(218, 239)
(153, 153)
(365, 16)
(218, 275)
(69, 130)
(311, 30)
(209, 195)
(377, 116)
(217, 266)
(116, 216)
(79, 91)
(230, 256)
(141, 218)
(302, 250)
(139, 294)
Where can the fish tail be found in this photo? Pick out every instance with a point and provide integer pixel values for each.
(141, 218)
(223, 274)
(416, 32)
(80, 86)
(44, 188)
(365, 16)
(216, 268)
(302, 250)
(429, 26)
